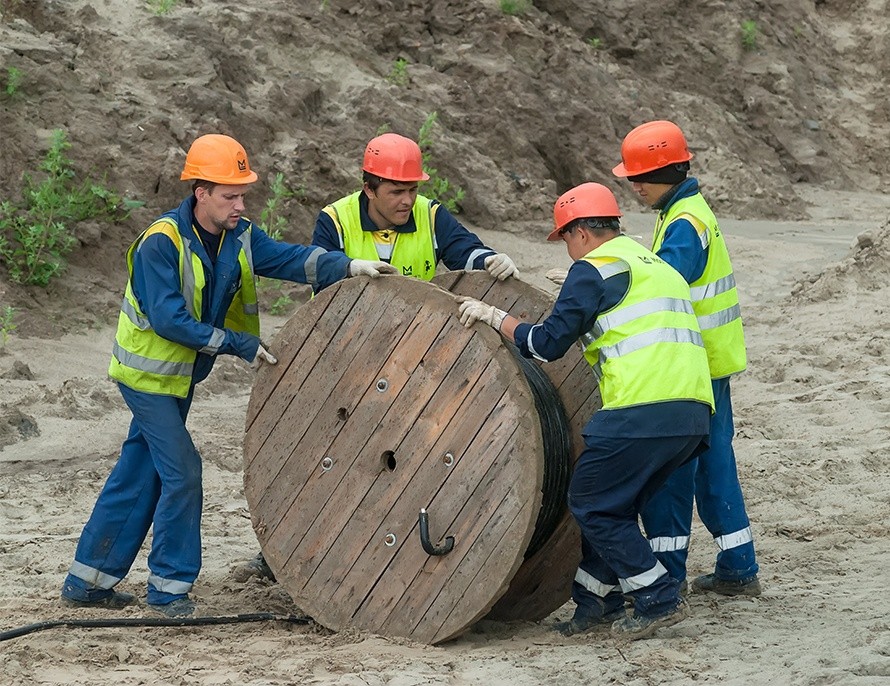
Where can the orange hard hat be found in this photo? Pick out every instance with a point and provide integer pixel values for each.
(651, 146)
(395, 158)
(217, 158)
(589, 200)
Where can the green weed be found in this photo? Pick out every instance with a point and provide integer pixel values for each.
(160, 7)
(13, 81)
(399, 72)
(750, 34)
(273, 222)
(515, 7)
(7, 326)
(437, 187)
(595, 43)
(35, 234)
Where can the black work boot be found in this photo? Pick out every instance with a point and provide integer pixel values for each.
(714, 584)
(257, 567)
(641, 626)
(181, 607)
(115, 600)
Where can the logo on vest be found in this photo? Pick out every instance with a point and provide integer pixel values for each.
(427, 266)
(406, 271)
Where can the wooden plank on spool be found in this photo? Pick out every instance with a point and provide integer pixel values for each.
(543, 582)
(402, 408)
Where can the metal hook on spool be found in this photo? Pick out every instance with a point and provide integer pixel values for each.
(423, 520)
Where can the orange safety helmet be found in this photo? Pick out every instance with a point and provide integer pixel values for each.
(582, 202)
(651, 146)
(218, 158)
(395, 158)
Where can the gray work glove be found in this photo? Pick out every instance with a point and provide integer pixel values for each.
(472, 311)
(500, 266)
(557, 275)
(372, 268)
(262, 357)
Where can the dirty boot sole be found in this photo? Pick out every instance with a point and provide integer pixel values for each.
(635, 628)
(713, 584)
(115, 601)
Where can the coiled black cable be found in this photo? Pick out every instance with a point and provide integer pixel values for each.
(557, 450)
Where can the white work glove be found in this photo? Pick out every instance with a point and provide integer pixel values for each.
(500, 266)
(557, 275)
(472, 311)
(263, 356)
(372, 268)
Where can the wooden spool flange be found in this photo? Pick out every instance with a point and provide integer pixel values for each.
(544, 581)
(382, 404)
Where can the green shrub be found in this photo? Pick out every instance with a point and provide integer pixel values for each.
(7, 326)
(160, 7)
(399, 72)
(437, 187)
(515, 7)
(750, 34)
(273, 222)
(35, 234)
(13, 81)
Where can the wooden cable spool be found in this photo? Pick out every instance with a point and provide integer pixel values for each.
(382, 405)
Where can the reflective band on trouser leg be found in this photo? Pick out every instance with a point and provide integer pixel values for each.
(735, 539)
(171, 586)
(92, 575)
(592, 584)
(647, 578)
(667, 544)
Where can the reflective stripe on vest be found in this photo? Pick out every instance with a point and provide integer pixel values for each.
(648, 348)
(714, 295)
(413, 254)
(147, 362)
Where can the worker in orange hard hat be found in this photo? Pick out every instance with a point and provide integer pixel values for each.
(388, 220)
(655, 159)
(632, 315)
(191, 296)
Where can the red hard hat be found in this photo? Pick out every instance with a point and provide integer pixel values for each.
(218, 158)
(651, 146)
(582, 202)
(395, 158)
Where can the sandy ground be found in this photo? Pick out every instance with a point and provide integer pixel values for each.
(812, 450)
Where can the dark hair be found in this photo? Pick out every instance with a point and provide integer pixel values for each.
(599, 226)
(201, 183)
(672, 174)
(372, 180)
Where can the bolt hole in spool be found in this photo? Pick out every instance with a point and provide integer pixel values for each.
(342, 414)
(449, 390)
(388, 460)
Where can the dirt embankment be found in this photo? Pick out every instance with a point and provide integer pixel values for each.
(528, 105)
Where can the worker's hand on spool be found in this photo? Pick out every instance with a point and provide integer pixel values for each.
(500, 266)
(557, 275)
(472, 311)
(372, 268)
(263, 356)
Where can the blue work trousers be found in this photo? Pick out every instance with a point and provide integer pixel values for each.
(155, 483)
(713, 482)
(611, 481)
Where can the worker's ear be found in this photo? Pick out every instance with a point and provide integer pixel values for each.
(367, 190)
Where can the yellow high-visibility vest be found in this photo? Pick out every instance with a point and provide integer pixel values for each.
(414, 253)
(145, 361)
(715, 298)
(648, 348)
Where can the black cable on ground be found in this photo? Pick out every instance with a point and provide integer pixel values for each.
(151, 621)
(557, 450)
